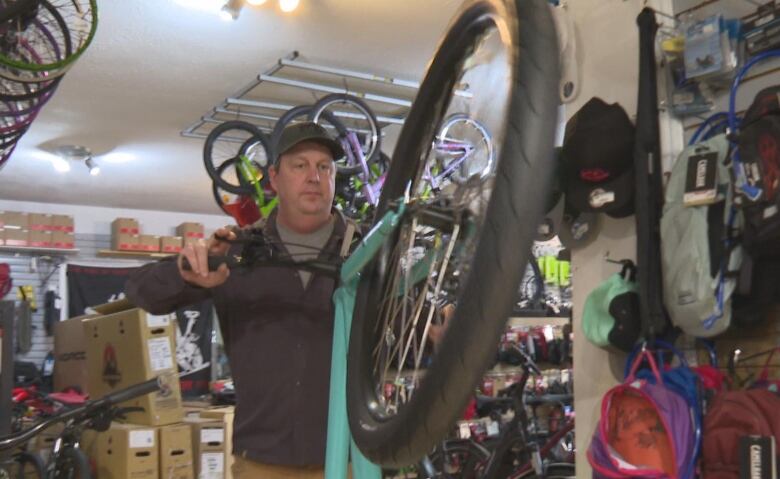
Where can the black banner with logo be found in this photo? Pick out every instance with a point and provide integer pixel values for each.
(90, 286)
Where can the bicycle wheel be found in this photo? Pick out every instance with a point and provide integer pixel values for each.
(72, 23)
(362, 135)
(224, 144)
(296, 113)
(459, 459)
(71, 463)
(464, 149)
(472, 240)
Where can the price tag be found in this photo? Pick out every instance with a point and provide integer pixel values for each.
(160, 354)
(464, 431)
(212, 435)
(143, 438)
(492, 428)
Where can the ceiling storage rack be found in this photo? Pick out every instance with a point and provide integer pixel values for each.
(292, 81)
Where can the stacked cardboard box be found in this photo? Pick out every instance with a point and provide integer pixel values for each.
(15, 228)
(208, 446)
(127, 346)
(190, 232)
(124, 234)
(36, 230)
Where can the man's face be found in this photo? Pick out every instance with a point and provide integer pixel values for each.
(305, 179)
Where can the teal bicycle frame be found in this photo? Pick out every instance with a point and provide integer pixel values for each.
(339, 438)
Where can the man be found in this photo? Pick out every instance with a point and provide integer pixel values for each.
(277, 322)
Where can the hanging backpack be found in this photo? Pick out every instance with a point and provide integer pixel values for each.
(734, 415)
(645, 430)
(681, 379)
(759, 149)
(698, 257)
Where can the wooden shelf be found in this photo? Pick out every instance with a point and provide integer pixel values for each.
(540, 321)
(107, 253)
(35, 249)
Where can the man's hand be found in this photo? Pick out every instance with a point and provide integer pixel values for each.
(197, 255)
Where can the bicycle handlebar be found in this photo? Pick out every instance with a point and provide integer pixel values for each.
(330, 268)
(82, 413)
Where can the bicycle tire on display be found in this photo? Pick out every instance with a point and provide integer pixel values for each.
(503, 246)
(208, 148)
(323, 103)
(72, 463)
(301, 111)
(60, 67)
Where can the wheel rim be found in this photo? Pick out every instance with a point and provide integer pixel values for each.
(400, 345)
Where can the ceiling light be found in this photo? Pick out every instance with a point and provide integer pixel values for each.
(93, 167)
(288, 5)
(60, 164)
(255, 3)
(231, 10)
(67, 153)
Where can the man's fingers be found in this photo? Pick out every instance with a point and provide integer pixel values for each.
(202, 257)
(188, 253)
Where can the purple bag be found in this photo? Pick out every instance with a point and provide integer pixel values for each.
(646, 423)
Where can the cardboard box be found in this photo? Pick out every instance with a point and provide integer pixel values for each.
(14, 237)
(125, 225)
(126, 451)
(62, 223)
(226, 415)
(62, 239)
(176, 451)
(171, 244)
(39, 238)
(124, 242)
(70, 355)
(14, 220)
(208, 447)
(127, 346)
(148, 243)
(190, 231)
(38, 222)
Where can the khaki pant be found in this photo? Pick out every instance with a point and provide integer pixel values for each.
(246, 469)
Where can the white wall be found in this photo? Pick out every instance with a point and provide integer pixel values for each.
(609, 65)
(97, 220)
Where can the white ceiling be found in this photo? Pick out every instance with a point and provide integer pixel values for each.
(155, 67)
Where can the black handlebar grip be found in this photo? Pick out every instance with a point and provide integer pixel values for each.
(133, 392)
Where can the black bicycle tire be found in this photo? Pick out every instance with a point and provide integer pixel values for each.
(35, 460)
(265, 182)
(55, 73)
(208, 146)
(320, 105)
(295, 112)
(78, 459)
(522, 179)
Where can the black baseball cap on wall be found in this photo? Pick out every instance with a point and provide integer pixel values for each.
(306, 131)
(598, 159)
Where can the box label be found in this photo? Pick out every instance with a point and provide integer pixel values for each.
(160, 355)
(212, 465)
(143, 438)
(153, 321)
(212, 435)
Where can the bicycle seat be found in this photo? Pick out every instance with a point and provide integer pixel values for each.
(69, 398)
